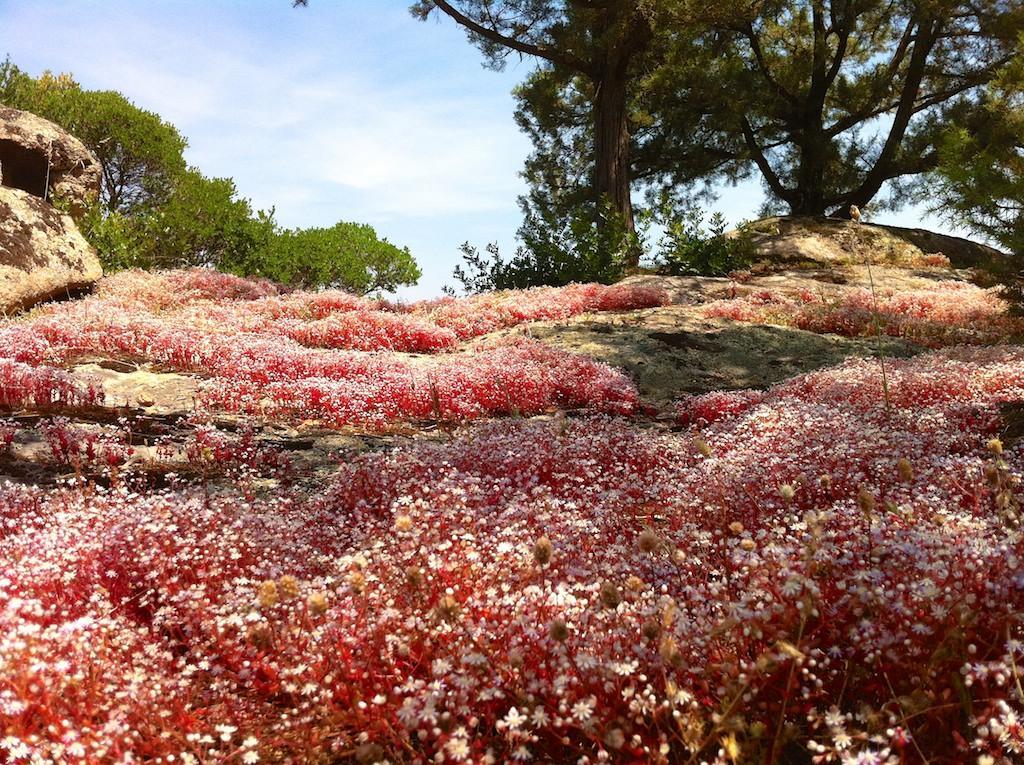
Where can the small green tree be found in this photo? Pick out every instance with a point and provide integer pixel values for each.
(348, 256)
(691, 247)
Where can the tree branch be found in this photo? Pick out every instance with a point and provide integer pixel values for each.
(530, 49)
(762, 162)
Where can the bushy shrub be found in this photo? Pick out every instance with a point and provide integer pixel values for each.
(555, 251)
(689, 248)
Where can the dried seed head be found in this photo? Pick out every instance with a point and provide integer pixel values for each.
(357, 582)
(369, 753)
(825, 481)
(448, 609)
(316, 603)
(610, 595)
(991, 473)
(651, 629)
(787, 492)
(736, 528)
(543, 550)
(905, 469)
(288, 585)
(669, 652)
(558, 631)
(648, 541)
(865, 500)
(414, 576)
(403, 523)
(635, 583)
(267, 595)
(702, 446)
(995, 446)
(731, 747)
(259, 635)
(748, 544)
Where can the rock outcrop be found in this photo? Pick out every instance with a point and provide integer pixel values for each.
(42, 253)
(35, 152)
(830, 241)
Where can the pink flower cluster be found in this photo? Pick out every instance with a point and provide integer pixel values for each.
(948, 313)
(273, 353)
(24, 385)
(334, 319)
(481, 314)
(809, 576)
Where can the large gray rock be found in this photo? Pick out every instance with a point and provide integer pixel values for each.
(42, 253)
(34, 151)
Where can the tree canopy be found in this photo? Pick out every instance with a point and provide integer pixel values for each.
(830, 103)
(827, 101)
(597, 43)
(346, 255)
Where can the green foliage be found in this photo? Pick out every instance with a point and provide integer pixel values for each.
(118, 238)
(204, 222)
(979, 182)
(689, 248)
(347, 255)
(556, 250)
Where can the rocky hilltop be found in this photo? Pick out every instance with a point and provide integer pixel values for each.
(807, 304)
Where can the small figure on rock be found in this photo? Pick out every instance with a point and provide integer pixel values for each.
(855, 213)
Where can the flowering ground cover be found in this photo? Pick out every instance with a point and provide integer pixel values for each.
(828, 571)
(946, 314)
(800, 575)
(328, 356)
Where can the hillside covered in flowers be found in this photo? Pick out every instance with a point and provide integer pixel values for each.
(336, 529)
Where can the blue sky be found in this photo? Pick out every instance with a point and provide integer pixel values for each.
(346, 110)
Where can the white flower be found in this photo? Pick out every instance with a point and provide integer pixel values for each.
(584, 710)
(513, 719)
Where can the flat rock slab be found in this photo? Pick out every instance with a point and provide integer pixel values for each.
(155, 392)
(675, 350)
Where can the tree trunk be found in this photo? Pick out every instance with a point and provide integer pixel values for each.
(611, 149)
(810, 190)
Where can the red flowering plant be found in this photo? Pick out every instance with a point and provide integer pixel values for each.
(810, 576)
(947, 314)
